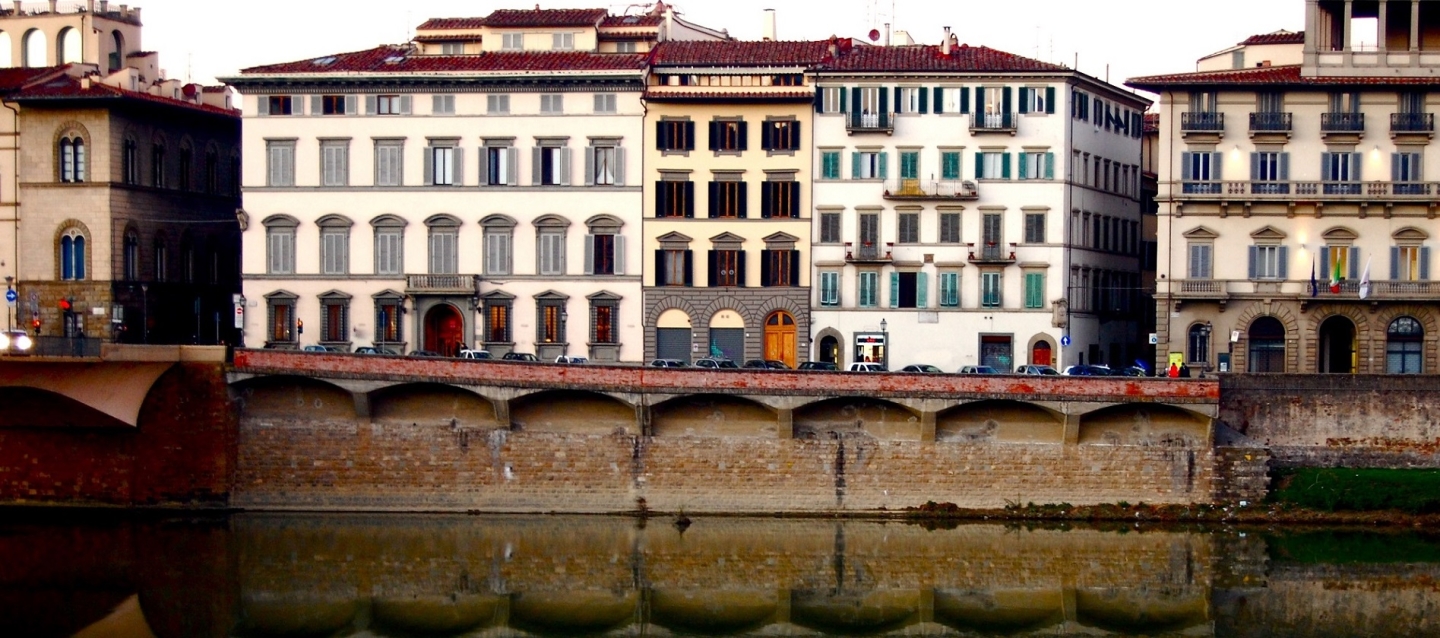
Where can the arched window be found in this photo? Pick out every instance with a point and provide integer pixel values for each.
(1267, 345)
(1199, 342)
(1404, 342)
(131, 254)
(157, 164)
(72, 255)
(72, 158)
(279, 245)
(161, 259)
(6, 59)
(117, 52)
(444, 243)
(499, 233)
(604, 246)
(34, 48)
(67, 46)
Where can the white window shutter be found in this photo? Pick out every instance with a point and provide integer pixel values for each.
(619, 167)
(429, 166)
(565, 166)
(590, 165)
(512, 171)
(351, 105)
(457, 166)
(297, 105)
(370, 101)
(536, 175)
(589, 254)
(619, 258)
(262, 105)
(405, 104)
(317, 105)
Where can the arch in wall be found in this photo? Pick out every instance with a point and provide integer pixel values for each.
(999, 421)
(68, 47)
(829, 348)
(292, 398)
(672, 335)
(34, 50)
(449, 615)
(1128, 612)
(573, 613)
(1000, 612)
(855, 614)
(856, 417)
(572, 411)
(713, 612)
(7, 56)
(1146, 424)
(727, 335)
(1337, 349)
(712, 415)
(432, 404)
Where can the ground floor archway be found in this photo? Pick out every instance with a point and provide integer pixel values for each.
(672, 335)
(444, 330)
(1337, 346)
(780, 337)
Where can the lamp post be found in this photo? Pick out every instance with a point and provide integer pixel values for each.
(9, 305)
(145, 313)
(1205, 329)
(564, 333)
(885, 343)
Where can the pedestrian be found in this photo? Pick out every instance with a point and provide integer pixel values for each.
(1174, 372)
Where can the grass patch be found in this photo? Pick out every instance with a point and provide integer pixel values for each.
(1338, 548)
(1359, 490)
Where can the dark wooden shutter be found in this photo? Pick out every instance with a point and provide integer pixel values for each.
(662, 135)
(767, 193)
(714, 136)
(744, 135)
(794, 136)
(713, 257)
(767, 136)
(765, 267)
(740, 268)
(660, 268)
(689, 268)
(743, 194)
(794, 267)
(713, 206)
(688, 143)
(689, 190)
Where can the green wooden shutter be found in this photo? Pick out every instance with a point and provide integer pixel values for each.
(884, 160)
(1049, 166)
(939, 100)
(950, 165)
(1005, 166)
(1050, 100)
(855, 165)
(924, 100)
(979, 166)
(894, 290)
(922, 290)
(964, 99)
(1025, 99)
(1005, 102)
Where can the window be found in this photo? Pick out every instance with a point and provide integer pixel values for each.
(551, 164)
(674, 197)
(829, 289)
(392, 104)
(334, 162)
(728, 136)
(780, 197)
(130, 161)
(625, 47)
(908, 289)
(562, 41)
(1037, 99)
(1202, 261)
(552, 103)
(1409, 263)
(949, 290)
(1340, 262)
(990, 283)
(278, 105)
(949, 228)
(909, 164)
(1200, 172)
(604, 315)
(992, 165)
(907, 228)
(727, 198)
(442, 105)
(1034, 290)
(72, 158)
(389, 162)
(1411, 102)
(443, 163)
(499, 234)
(830, 165)
(1268, 262)
(501, 165)
(675, 135)
(1404, 346)
(497, 104)
(605, 103)
(911, 100)
(991, 227)
(832, 99)
(280, 245)
(452, 48)
(335, 105)
(389, 245)
(780, 136)
(212, 172)
(281, 307)
(1199, 344)
(1406, 172)
(1341, 172)
(829, 228)
(605, 165)
(1270, 172)
(1034, 228)
(444, 239)
(497, 318)
(1037, 165)
(868, 165)
(604, 251)
(727, 268)
(1267, 345)
(334, 245)
(512, 41)
(953, 100)
(673, 267)
(869, 284)
(550, 246)
(389, 319)
(72, 255)
(950, 165)
(780, 268)
(335, 318)
(550, 319)
(187, 167)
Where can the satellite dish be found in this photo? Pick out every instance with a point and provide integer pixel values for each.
(874, 35)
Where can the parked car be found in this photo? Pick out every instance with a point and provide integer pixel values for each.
(571, 360)
(424, 353)
(1036, 370)
(521, 356)
(767, 364)
(978, 370)
(475, 354)
(319, 348)
(1085, 370)
(865, 366)
(818, 366)
(668, 363)
(923, 368)
(715, 363)
(15, 342)
(375, 350)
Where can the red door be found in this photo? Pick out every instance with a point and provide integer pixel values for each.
(1040, 356)
(444, 330)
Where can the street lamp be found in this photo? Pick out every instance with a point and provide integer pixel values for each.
(9, 305)
(145, 312)
(885, 343)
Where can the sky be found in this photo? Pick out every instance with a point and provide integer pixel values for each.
(1108, 39)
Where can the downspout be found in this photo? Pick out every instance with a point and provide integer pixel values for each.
(1069, 227)
(15, 222)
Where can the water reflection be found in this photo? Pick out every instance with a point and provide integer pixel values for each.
(401, 576)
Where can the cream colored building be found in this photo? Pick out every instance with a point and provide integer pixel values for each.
(477, 188)
(1297, 201)
(727, 179)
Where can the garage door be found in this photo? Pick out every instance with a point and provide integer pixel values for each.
(730, 341)
(672, 343)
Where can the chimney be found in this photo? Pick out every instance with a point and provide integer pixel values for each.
(125, 10)
(767, 28)
(945, 43)
(90, 6)
(53, 7)
(887, 34)
(104, 6)
(18, 7)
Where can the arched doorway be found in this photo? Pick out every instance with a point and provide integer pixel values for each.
(1404, 343)
(444, 330)
(727, 336)
(780, 337)
(1337, 346)
(830, 349)
(1041, 354)
(1267, 345)
(672, 335)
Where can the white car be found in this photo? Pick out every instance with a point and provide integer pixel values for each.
(15, 342)
(865, 366)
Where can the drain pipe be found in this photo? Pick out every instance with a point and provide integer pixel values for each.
(15, 222)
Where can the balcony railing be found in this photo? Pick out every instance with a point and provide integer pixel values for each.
(1270, 122)
(865, 122)
(1349, 289)
(1202, 121)
(1342, 122)
(993, 123)
(80, 347)
(992, 253)
(931, 189)
(441, 283)
(1400, 191)
(1412, 122)
(869, 251)
(1201, 287)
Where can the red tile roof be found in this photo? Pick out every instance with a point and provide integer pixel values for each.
(14, 78)
(1277, 76)
(928, 57)
(1152, 122)
(399, 59)
(69, 88)
(735, 53)
(661, 95)
(1278, 37)
(508, 18)
(449, 24)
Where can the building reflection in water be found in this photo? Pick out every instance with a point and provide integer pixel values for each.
(281, 575)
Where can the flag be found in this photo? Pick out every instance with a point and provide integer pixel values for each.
(1335, 275)
(1365, 279)
(1314, 283)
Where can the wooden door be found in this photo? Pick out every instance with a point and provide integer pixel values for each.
(780, 337)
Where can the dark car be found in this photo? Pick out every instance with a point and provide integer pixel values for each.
(1038, 370)
(923, 368)
(818, 366)
(668, 363)
(424, 353)
(978, 370)
(1084, 370)
(715, 363)
(375, 350)
(15, 342)
(520, 356)
(766, 364)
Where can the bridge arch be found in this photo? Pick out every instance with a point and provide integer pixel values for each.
(848, 614)
(845, 417)
(713, 612)
(572, 412)
(711, 415)
(1000, 612)
(435, 615)
(1141, 612)
(431, 404)
(1154, 424)
(999, 421)
(293, 398)
(571, 613)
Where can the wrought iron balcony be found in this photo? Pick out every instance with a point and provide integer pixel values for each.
(866, 122)
(914, 189)
(1342, 122)
(454, 284)
(1270, 122)
(1412, 122)
(993, 123)
(869, 252)
(992, 253)
(1202, 122)
(1322, 190)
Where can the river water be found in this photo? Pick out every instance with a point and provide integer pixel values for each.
(402, 576)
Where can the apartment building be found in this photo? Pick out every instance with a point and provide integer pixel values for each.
(1297, 199)
(478, 187)
(728, 173)
(972, 207)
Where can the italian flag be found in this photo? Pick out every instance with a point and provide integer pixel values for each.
(1335, 276)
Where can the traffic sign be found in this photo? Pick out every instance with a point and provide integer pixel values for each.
(1065, 341)
(10, 296)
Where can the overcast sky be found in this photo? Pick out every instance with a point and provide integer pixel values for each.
(201, 40)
